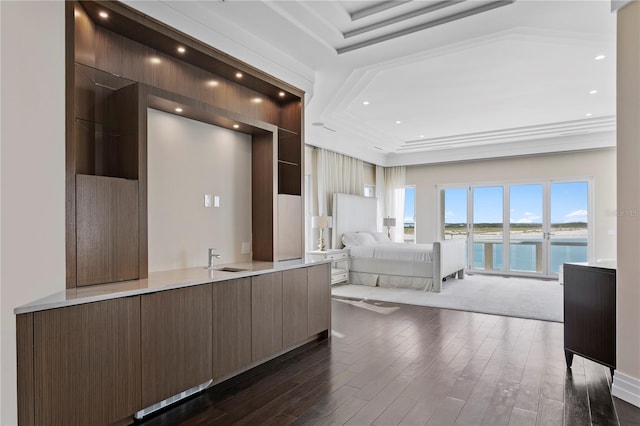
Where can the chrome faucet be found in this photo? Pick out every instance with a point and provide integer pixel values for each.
(212, 255)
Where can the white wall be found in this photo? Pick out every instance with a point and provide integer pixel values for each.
(187, 159)
(601, 165)
(626, 380)
(33, 168)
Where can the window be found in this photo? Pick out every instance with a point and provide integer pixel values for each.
(369, 191)
(409, 214)
(525, 228)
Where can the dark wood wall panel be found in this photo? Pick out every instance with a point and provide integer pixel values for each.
(176, 341)
(132, 60)
(125, 205)
(266, 315)
(319, 288)
(25, 371)
(95, 228)
(294, 306)
(262, 196)
(231, 326)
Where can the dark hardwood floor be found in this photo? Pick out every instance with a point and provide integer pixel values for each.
(392, 364)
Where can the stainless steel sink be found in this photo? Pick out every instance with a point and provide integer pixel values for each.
(230, 269)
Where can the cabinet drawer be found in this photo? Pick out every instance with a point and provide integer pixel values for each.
(339, 277)
(337, 256)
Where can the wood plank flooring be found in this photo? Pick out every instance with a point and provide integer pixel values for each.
(392, 364)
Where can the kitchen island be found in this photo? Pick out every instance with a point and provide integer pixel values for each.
(106, 353)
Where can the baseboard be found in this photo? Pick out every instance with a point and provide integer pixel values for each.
(626, 388)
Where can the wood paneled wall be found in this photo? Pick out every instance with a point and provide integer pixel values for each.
(134, 47)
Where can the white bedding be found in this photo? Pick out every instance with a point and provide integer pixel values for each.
(394, 251)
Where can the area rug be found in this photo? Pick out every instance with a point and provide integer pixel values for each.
(510, 296)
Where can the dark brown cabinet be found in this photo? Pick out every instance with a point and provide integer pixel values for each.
(176, 333)
(266, 315)
(319, 299)
(590, 313)
(294, 306)
(86, 363)
(231, 326)
(102, 362)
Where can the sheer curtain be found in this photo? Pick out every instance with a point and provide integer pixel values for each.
(394, 183)
(336, 173)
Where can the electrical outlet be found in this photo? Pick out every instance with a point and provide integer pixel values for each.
(246, 248)
(207, 200)
(216, 201)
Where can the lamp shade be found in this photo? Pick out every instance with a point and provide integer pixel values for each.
(323, 222)
(389, 221)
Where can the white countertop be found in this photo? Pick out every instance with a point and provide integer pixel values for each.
(604, 264)
(158, 281)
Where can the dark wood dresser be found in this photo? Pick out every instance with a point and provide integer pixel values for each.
(590, 312)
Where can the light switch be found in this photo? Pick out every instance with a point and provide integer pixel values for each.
(207, 200)
(216, 201)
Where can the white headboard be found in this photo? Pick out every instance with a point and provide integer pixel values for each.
(352, 213)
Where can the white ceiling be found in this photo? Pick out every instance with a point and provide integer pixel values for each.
(511, 80)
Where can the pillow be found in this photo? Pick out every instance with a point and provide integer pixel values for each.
(380, 237)
(350, 239)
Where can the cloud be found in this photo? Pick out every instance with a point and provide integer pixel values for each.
(576, 216)
(449, 214)
(528, 217)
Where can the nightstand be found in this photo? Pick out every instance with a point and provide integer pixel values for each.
(339, 264)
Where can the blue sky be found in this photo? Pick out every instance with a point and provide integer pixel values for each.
(409, 203)
(568, 203)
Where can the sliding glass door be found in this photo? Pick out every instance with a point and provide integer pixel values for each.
(568, 235)
(526, 231)
(520, 229)
(488, 227)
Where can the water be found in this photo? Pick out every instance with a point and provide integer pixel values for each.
(523, 256)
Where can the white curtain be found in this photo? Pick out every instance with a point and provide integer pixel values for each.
(336, 173)
(380, 195)
(394, 183)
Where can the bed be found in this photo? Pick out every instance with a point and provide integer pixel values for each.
(376, 262)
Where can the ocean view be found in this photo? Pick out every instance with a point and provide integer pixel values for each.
(568, 244)
(523, 256)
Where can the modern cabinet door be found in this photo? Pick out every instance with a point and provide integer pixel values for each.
(107, 229)
(266, 315)
(176, 341)
(231, 326)
(319, 298)
(294, 306)
(87, 363)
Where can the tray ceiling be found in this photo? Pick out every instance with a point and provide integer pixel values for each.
(407, 82)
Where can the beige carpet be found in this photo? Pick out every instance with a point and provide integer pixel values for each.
(510, 296)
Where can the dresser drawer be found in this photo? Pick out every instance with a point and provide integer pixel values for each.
(338, 277)
(337, 256)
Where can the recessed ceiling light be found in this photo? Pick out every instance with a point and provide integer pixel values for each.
(398, 121)
(421, 136)
(155, 60)
(588, 114)
(365, 103)
(256, 100)
(213, 83)
(181, 49)
(103, 15)
(178, 109)
(593, 92)
(281, 94)
(238, 75)
(599, 57)
(235, 126)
